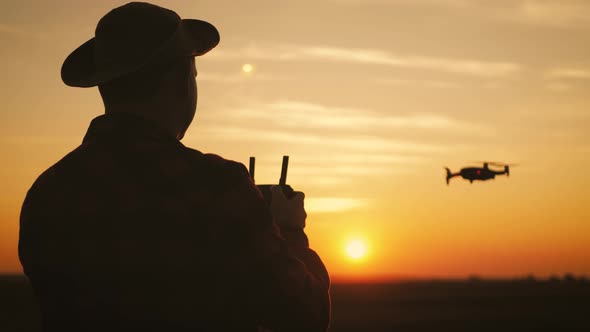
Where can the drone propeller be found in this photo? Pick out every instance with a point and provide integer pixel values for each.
(495, 163)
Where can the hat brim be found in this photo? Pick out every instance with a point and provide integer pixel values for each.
(191, 38)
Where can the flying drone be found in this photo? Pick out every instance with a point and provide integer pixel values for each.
(480, 173)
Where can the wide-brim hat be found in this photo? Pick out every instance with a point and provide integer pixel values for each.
(134, 36)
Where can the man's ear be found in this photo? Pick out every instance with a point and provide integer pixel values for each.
(175, 80)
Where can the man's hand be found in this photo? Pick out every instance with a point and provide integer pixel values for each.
(288, 213)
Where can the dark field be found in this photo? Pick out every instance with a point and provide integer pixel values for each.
(521, 305)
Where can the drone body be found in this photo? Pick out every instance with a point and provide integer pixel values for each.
(479, 173)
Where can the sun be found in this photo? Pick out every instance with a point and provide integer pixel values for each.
(356, 249)
(247, 68)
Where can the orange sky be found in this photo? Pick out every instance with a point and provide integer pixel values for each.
(371, 99)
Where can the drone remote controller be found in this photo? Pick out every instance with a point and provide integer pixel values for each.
(265, 188)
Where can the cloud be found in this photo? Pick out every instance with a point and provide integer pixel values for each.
(348, 169)
(297, 115)
(563, 79)
(334, 168)
(18, 32)
(330, 160)
(356, 158)
(348, 142)
(238, 78)
(438, 3)
(353, 142)
(256, 77)
(333, 204)
(334, 144)
(555, 13)
(558, 87)
(569, 73)
(419, 83)
(371, 57)
(12, 30)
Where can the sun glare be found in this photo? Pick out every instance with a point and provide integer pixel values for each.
(356, 249)
(247, 68)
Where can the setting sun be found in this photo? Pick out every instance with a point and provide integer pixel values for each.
(356, 249)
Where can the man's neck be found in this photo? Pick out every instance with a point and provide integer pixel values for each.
(155, 115)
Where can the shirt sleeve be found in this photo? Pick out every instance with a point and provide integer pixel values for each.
(33, 217)
(29, 235)
(288, 285)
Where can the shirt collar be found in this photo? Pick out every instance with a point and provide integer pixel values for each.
(124, 125)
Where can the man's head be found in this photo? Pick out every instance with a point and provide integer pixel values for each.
(142, 59)
(165, 93)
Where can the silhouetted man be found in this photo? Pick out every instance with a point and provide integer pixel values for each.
(134, 231)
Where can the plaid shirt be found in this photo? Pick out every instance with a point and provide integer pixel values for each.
(132, 230)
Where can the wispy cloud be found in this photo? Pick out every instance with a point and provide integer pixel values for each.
(558, 86)
(438, 3)
(330, 160)
(257, 77)
(18, 32)
(335, 144)
(239, 78)
(569, 73)
(557, 13)
(565, 79)
(345, 169)
(7, 29)
(333, 204)
(295, 114)
(419, 83)
(540, 12)
(350, 142)
(378, 57)
(356, 158)
(334, 168)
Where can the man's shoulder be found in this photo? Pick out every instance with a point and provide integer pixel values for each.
(53, 176)
(216, 175)
(215, 165)
(87, 159)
